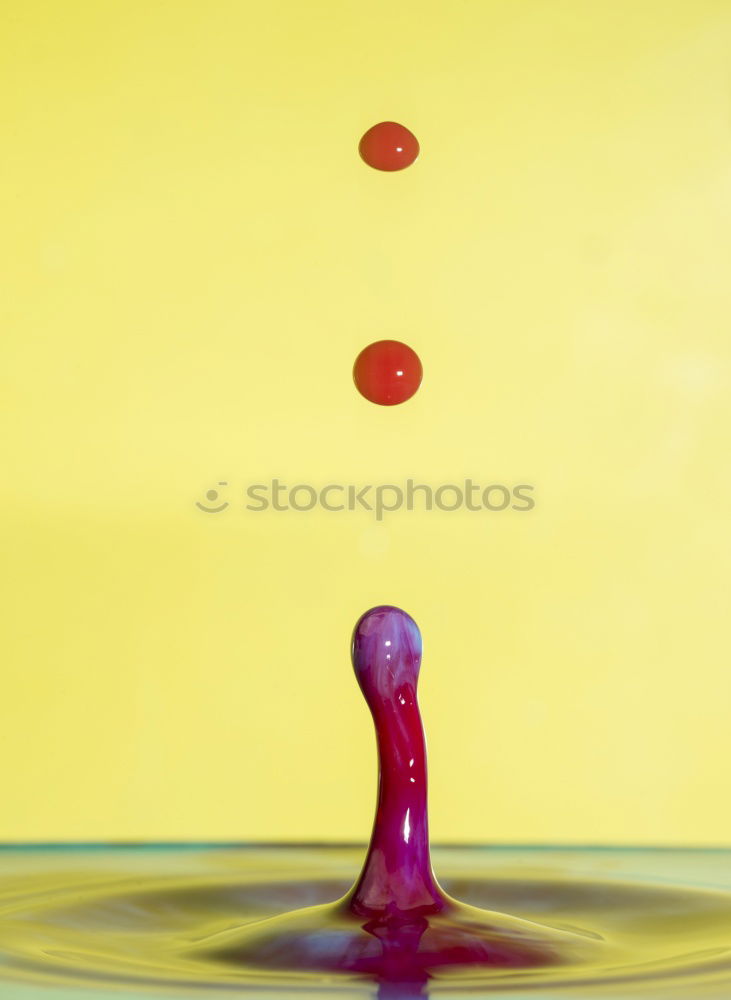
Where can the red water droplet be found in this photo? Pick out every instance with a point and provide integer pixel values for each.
(387, 372)
(389, 146)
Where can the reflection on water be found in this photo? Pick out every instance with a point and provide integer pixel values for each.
(180, 921)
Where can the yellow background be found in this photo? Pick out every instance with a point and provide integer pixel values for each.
(192, 256)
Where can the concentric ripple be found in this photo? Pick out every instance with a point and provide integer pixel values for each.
(655, 922)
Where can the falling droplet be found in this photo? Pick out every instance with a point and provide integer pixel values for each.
(388, 146)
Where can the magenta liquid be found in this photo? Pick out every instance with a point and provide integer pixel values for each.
(396, 923)
(610, 925)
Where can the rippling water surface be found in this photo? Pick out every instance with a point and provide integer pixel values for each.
(118, 922)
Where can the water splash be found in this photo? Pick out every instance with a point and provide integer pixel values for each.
(396, 924)
(283, 922)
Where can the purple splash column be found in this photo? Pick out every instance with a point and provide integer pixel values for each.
(397, 878)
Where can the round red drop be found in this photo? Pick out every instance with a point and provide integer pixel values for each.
(389, 146)
(387, 372)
